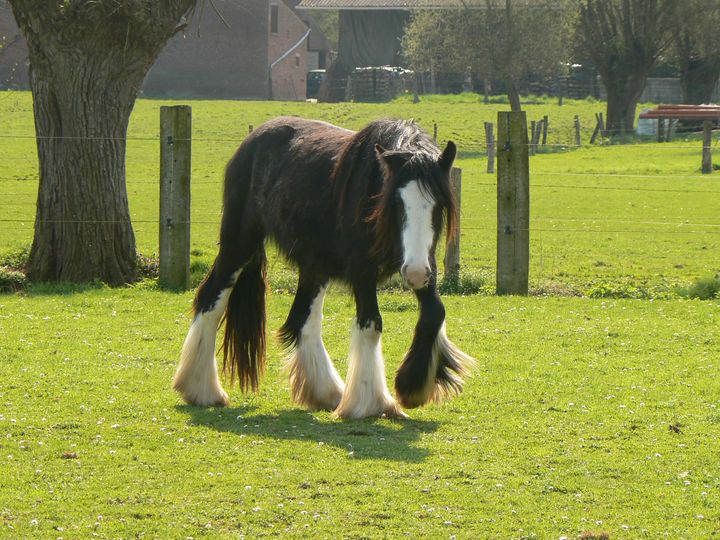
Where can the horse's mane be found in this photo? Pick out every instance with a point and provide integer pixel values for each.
(362, 196)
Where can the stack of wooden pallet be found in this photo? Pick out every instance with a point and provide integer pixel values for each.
(374, 84)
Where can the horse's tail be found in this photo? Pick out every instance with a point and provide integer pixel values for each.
(244, 341)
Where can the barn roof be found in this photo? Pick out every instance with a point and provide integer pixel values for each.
(398, 4)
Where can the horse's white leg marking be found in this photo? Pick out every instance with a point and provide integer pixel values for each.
(417, 234)
(196, 378)
(366, 392)
(313, 379)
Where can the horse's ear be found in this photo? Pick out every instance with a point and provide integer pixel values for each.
(392, 160)
(448, 156)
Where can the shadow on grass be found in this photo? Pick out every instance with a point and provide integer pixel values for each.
(370, 438)
(62, 289)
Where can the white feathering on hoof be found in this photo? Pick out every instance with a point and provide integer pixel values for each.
(453, 365)
(314, 381)
(366, 393)
(448, 365)
(196, 378)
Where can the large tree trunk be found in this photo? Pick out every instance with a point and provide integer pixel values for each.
(87, 60)
(698, 78)
(623, 93)
(513, 96)
(82, 225)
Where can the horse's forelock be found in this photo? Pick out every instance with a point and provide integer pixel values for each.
(423, 167)
(361, 192)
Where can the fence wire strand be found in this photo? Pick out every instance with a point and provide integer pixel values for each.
(544, 233)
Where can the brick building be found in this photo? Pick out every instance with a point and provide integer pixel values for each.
(13, 52)
(258, 49)
(243, 49)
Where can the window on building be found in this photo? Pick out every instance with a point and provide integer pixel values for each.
(274, 18)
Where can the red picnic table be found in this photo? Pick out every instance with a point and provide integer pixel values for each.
(681, 112)
(707, 113)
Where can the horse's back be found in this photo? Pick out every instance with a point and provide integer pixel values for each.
(280, 178)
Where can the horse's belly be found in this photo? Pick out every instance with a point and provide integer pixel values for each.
(308, 241)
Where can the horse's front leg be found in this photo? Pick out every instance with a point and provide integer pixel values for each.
(433, 367)
(366, 392)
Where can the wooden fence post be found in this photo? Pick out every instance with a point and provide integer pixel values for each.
(435, 131)
(596, 131)
(707, 148)
(538, 134)
(545, 129)
(532, 137)
(490, 139)
(577, 131)
(513, 204)
(452, 248)
(175, 146)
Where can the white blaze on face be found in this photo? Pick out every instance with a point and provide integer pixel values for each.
(417, 234)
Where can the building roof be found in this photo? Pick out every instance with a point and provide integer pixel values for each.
(397, 4)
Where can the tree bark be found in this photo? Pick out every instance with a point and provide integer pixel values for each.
(82, 225)
(87, 60)
(697, 48)
(513, 96)
(623, 94)
(698, 78)
(512, 89)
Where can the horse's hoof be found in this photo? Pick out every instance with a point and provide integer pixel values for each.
(412, 401)
(315, 400)
(222, 401)
(389, 409)
(331, 402)
(394, 412)
(216, 398)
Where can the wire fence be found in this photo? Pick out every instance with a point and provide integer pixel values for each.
(677, 243)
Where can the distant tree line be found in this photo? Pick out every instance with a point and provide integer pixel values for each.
(623, 39)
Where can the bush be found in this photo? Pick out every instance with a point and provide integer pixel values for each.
(17, 259)
(703, 289)
(11, 280)
(467, 283)
(147, 266)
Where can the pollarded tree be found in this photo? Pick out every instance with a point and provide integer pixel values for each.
(504, 39)
(696, 45)
(624, 39)
(88, 59)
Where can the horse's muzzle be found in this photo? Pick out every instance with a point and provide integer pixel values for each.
(416, 276)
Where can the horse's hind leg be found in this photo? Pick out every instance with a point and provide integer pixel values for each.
(314, 382)
(366, 391)
(196, 378)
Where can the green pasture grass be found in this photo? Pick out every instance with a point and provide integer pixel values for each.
(581, 415)
(634, 220)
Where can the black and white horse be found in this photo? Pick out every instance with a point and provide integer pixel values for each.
(341, 205)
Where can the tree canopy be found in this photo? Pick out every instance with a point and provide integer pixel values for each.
(507, 42)
(696, 48)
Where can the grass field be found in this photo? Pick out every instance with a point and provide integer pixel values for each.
(583, 414)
